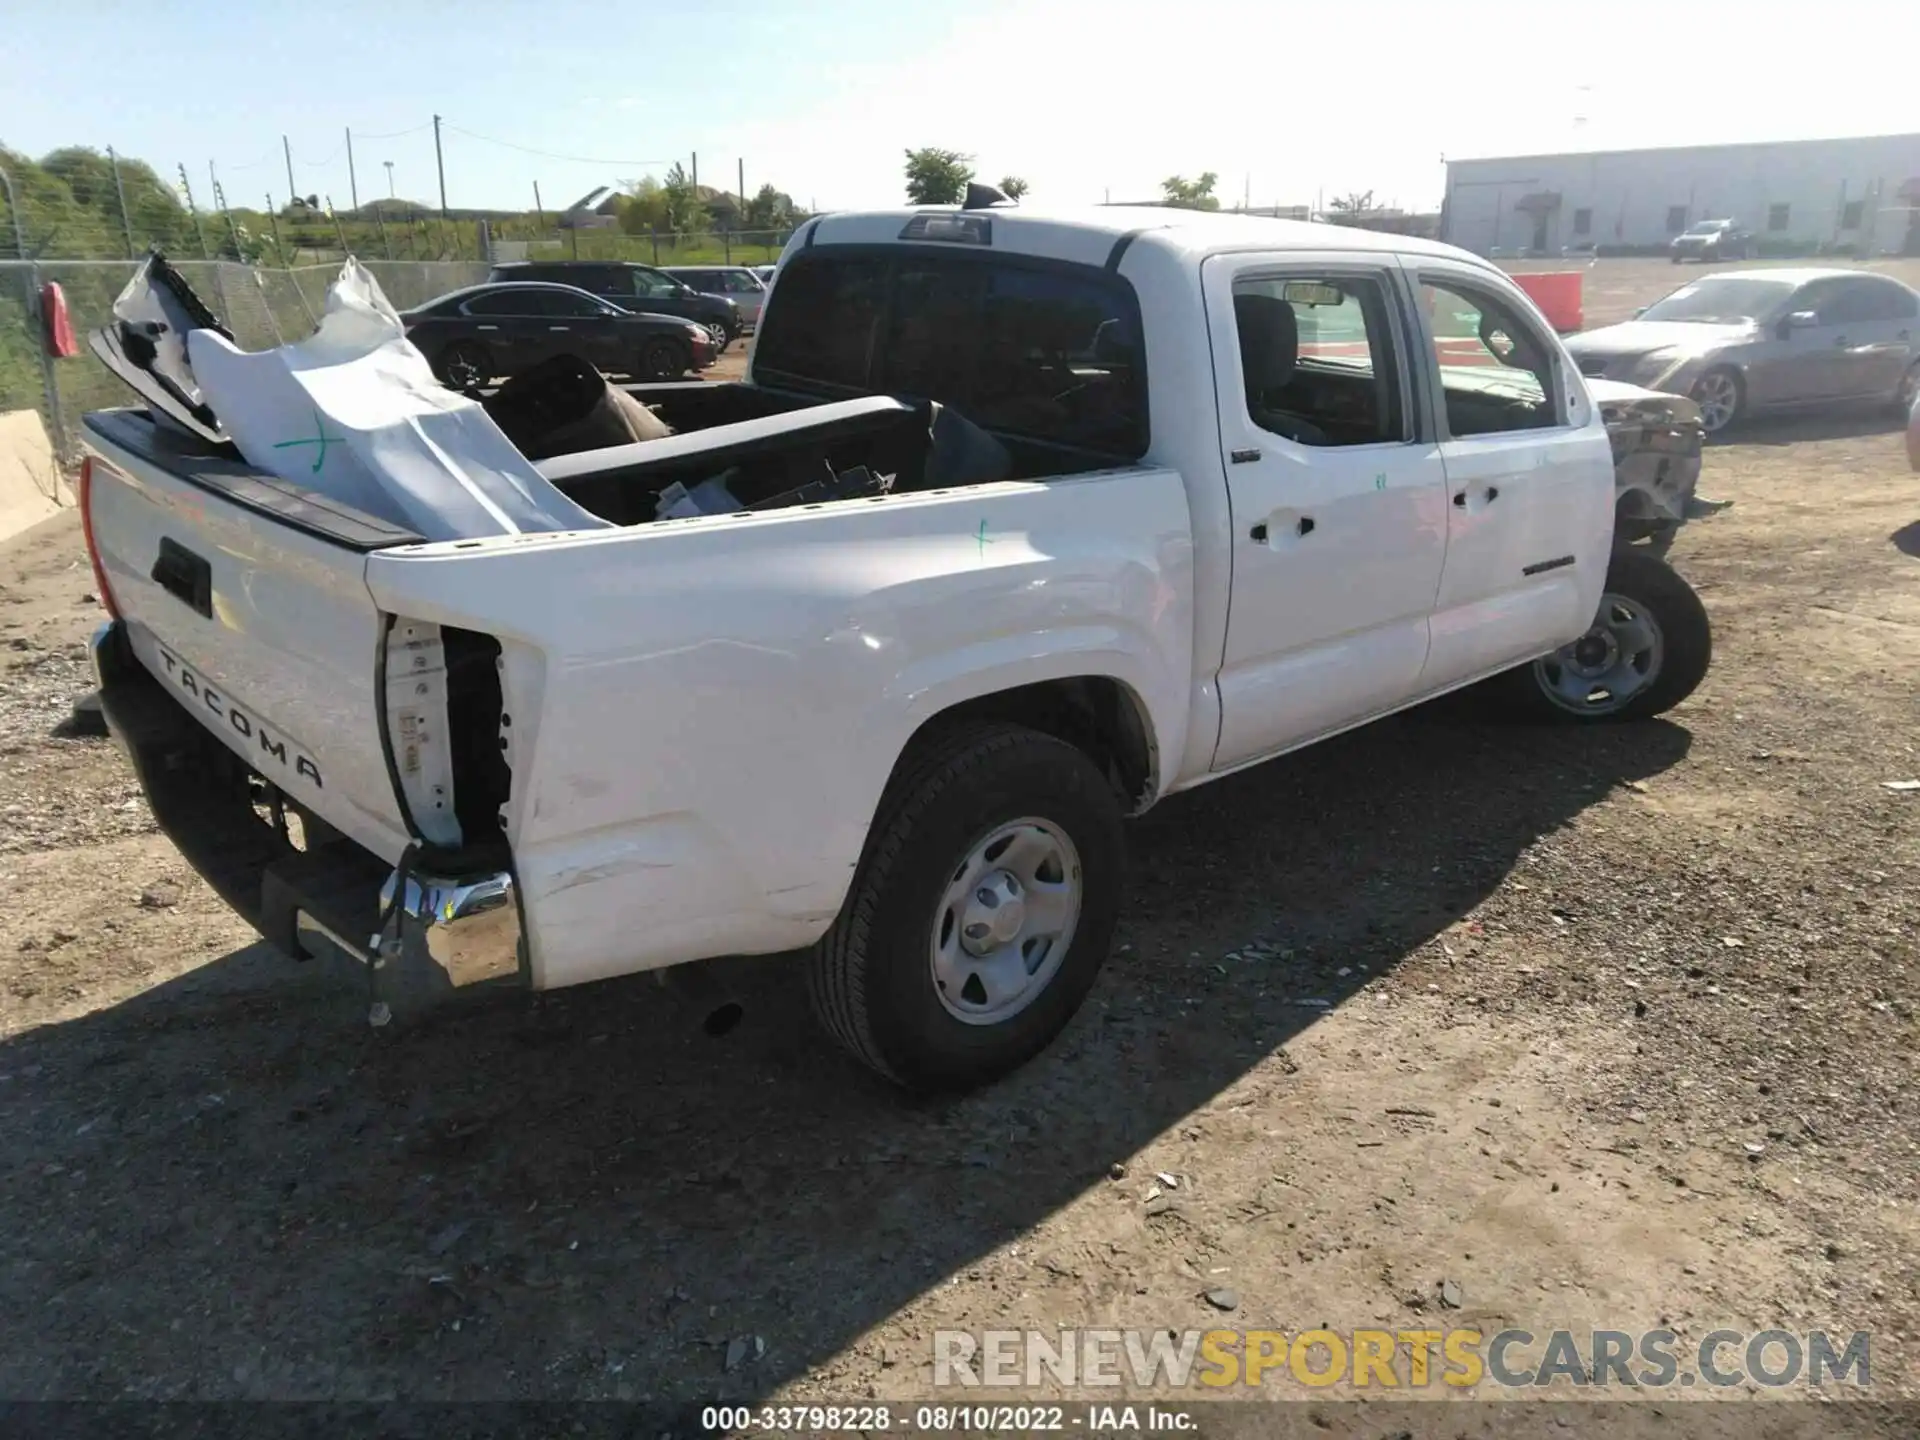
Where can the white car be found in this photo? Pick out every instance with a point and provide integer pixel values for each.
(1017, 525)
(733, 282)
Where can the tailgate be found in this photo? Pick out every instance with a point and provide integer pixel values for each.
(248, 600)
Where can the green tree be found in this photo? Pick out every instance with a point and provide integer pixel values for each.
(685, 210)
(1184, 194)
(769, 209)
(937, 177)
(645, 208)
(1013, 187)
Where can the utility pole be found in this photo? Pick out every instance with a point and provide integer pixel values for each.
(743, 189)
(389, 165)
(293, 190)
(353, 181)
(126, 223)
(279, 247)
(440, 164)
(539, 212)
(696, 174)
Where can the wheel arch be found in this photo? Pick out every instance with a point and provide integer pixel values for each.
(1100, 715)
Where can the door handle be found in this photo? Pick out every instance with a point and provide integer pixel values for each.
(1460, 497)
(1261, 533)
(561, 329)
(486, 327)
(185, 576)
(1305, 527)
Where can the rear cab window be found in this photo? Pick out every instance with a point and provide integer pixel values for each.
(1030, 348)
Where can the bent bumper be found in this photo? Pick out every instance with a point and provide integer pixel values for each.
(454, 932)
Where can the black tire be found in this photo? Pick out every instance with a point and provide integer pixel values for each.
(1908, 389)
(871, 978)
(663, 360)
(465, 365)
(1686, 648)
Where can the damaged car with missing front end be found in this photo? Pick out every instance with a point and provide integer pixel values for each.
(1018, 524)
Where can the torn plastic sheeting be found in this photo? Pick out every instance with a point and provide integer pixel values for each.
(354, 412)
(146, 346)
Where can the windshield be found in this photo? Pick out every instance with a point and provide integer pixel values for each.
(1721, 301)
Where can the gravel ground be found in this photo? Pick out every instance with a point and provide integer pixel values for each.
(1447, 1017)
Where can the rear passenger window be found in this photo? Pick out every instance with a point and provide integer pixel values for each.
(1495, 370)
(822, 325)
(1317, 359)
(1029, 350)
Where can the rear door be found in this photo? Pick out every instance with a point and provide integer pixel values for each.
(501, 322)
(1337, 493)
(1876, 318)
(1529, 476)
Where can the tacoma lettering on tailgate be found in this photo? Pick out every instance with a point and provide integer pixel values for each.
(271, 747)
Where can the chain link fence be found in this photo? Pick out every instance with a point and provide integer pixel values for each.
(262, 307)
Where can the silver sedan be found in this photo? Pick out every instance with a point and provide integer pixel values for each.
(1743, 342)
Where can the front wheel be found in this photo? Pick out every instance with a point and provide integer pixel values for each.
(1720, 396)
(466, 365)
(1648, 649)
(981, 911)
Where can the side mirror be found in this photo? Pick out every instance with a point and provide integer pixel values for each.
(1799, 320)
(1641, 311)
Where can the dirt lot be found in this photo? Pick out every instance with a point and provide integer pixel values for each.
(1609, 1029)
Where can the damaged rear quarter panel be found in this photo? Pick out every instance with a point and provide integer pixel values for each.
(704, 712)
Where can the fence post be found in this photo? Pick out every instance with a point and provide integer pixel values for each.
(726, 244)
(654, 235)
(126, 222)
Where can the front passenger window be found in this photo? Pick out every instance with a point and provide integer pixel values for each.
(1317, 359)
(1495, 370)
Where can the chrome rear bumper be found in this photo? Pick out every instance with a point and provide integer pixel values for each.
(450, 933)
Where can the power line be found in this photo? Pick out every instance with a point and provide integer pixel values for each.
(549, 154)
(396, 134)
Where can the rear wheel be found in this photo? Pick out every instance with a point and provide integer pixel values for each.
(1720, 396)
(466, 365)
(981, 911)
(1648, 649)
(664, 360)
(1908, 391)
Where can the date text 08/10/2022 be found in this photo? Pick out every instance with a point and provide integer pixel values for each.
(947, 1419)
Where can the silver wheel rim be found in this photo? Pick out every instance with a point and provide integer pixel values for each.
(1606, 668)
(1718, 398)
(1909, 388)
(1006, 921)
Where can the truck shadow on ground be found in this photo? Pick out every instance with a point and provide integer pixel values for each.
(228, 1187)
(1907, 539)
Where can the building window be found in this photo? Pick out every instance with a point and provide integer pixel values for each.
(1583, 222)
(1850, 215)
(1777, 216)
(1676, 219)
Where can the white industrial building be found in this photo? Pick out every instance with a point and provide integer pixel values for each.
(1796, 196)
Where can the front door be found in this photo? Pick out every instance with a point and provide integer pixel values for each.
(1337, 498)
(1529, 476)
(1803, 364)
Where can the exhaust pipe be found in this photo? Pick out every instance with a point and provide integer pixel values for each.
(693, 984)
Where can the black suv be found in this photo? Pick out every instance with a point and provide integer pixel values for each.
(640, 288)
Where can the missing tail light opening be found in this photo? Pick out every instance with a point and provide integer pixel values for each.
(442, 712)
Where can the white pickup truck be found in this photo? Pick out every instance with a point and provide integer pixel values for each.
(1194, 491)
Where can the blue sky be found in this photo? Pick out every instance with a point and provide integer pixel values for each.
(1084, 100)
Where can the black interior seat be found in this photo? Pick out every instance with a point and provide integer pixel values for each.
(1269, 353)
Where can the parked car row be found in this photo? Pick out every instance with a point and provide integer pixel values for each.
(1750, 341)
(488, 332)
